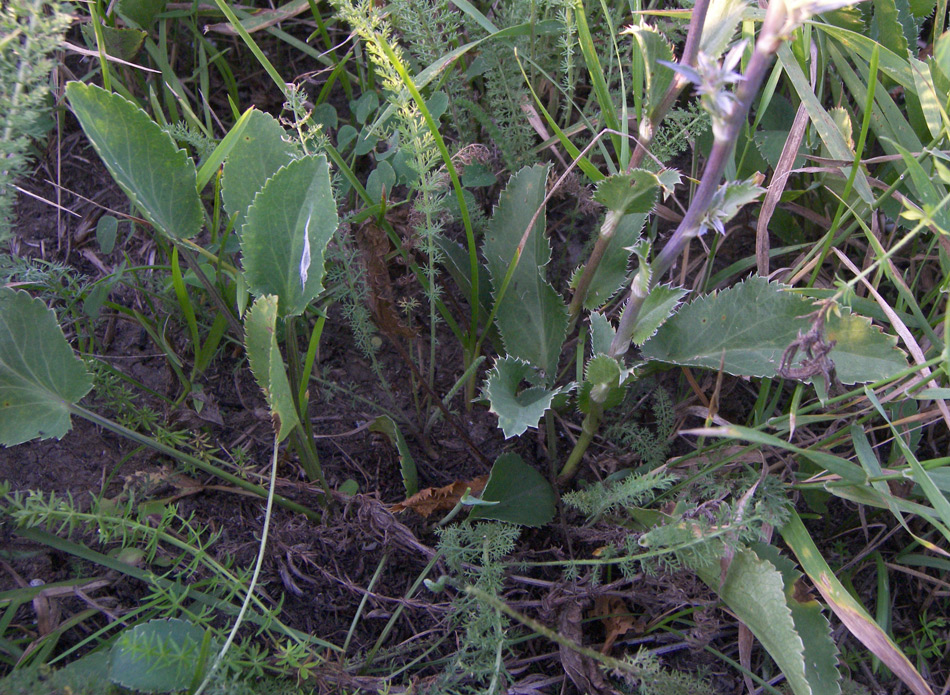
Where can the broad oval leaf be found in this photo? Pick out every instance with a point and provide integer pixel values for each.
(161, 656)
(750, 325)
(286, 233)
(39, 374)
(531, 316)
(517, 409)
(523, 495)
(155, 174)
(267, 364)
(257, 155)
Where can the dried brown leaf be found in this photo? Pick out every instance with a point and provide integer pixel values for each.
(440, 499)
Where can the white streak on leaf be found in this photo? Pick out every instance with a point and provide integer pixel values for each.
(305, 256)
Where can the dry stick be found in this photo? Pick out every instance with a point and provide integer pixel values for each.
(783, 170)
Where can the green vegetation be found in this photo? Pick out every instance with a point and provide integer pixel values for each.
(649, 300)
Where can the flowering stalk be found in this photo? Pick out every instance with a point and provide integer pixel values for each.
(648, 126)
(731, 117)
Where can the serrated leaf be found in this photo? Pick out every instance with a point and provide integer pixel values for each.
(523, 495)
(260, 341)
(153, 172)
(601, 334)
(611, 273)
(531, 317)
(751, 325)
(728, 199)
(286, 233)
(160, 656)
(657, 308)
(755, 592)
(407, 465)
(628, 193)
(517, 408)
(821, 653)
(886, 27)
(39, 374)
(863, 352)
(257, 155)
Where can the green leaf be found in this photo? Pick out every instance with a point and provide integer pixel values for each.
(381, 181)
(286, 233)
(155, 174)
(122, 42)
(601, 334)
(106, 230)
(657, 308)
(161, 656)
(523, 495)
(531, 316)
(602, 383)
(261, 150)
(755, 592)
(752, 324)
(722, 18)
(517, 409)
(39, 374)
(653, 47)
(887, 28)
(267, 365)
(821, 653)
(611, 273)
(829, 133)
(628, 193)
(141, 12)
(848, 610)
(407, 466)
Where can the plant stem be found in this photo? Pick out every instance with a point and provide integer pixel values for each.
(303, 438)
(588, 430)
(689, 227)
(187, 458)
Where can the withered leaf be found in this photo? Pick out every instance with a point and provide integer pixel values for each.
(615, 617)
(440, 499)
